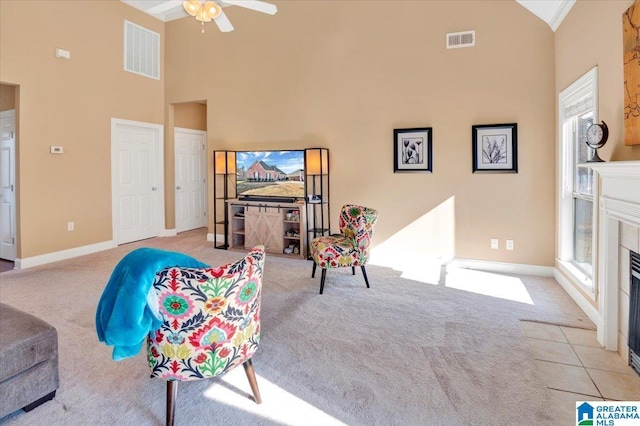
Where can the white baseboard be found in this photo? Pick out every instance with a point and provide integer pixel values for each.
(577, 297)
(219, 237)
(504, 268)
(42, 259)
(168, 233)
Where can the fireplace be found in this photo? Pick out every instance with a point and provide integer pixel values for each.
(634, 312)
(617, 231)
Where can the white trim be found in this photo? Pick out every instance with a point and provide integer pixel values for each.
(578, 297)
(219, 237)
(8, 113)
(63, 254)
(159, 129)
(168, 232)
(561, 13)
(583, 86)
(503, 268)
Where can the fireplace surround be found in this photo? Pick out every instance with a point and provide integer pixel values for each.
(618, 195)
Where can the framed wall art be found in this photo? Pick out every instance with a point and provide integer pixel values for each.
(412, 150)
(495, 148)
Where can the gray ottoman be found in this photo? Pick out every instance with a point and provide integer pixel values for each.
(28, 360)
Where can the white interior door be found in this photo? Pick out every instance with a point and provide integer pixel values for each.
(191, 181)
(136, 180)
(8, 185)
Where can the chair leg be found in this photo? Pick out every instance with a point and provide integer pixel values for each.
(364, 273)
(172, 393)
(313, 271)
(353, 270)
(251, 375)
(322, 277)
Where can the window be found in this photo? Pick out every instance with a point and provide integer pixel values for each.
(577, 111)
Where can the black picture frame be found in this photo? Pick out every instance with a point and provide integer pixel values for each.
(412, 150)
(495, 148)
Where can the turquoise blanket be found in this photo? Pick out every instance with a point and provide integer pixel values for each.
(123, 317)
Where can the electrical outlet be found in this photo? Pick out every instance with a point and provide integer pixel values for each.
(494, 243)
(509, 244)
(71, 226)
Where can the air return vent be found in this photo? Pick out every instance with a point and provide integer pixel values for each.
(141, 50)
(463, 39)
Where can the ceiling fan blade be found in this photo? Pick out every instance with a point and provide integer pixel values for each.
(223, 22)
(257, 5)
(165, 6)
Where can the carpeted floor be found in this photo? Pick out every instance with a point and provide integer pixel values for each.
(404, 352)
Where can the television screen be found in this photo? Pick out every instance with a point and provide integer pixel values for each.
(270, 174)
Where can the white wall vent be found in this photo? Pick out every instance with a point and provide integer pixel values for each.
(463, 39)
(141, 50)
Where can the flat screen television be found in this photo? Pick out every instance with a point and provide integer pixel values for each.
(270, 175)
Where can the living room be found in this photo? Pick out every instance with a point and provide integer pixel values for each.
(338, 75)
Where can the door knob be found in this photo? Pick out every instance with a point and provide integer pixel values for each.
(178, 187)
(153, 188)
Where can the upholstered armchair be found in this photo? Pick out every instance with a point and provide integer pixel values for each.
(211, 323)
(350, 248)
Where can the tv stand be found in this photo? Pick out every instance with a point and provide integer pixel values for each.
(279, 226)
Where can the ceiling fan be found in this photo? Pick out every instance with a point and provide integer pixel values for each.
(211, 10)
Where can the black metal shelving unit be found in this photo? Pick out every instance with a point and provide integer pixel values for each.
(316, 185)
(224, 188)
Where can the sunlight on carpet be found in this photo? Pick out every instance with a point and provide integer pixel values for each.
(278, 405)
(488, 284)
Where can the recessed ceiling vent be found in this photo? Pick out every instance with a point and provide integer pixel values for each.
(463, 39)
(141, 50)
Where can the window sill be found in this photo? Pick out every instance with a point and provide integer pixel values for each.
(578, 278)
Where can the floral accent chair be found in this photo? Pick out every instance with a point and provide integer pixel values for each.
(350, 248)
(211, 323)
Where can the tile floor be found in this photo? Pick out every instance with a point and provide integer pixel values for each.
(574, 367)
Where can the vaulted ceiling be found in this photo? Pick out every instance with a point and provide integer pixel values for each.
(550, 11)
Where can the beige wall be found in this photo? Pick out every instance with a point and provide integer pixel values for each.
(7, 97)
(191, 116)
(578, 50)
(70, 103)
(343, 75)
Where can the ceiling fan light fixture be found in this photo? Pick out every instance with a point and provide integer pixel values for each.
(213, 9)
(192, 6)
(203, 15)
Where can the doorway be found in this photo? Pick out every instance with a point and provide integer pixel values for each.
(8, 187)
(137, 180)
(191, 179)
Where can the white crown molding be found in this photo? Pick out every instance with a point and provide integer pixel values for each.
(561, 13)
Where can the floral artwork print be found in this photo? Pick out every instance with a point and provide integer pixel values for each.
(211, 319)
(494, 149)
(412, 151)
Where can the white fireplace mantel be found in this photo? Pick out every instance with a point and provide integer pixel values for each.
(618, 195)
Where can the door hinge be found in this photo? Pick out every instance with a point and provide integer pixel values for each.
(13, 240)
(205, 213)
(11, 187)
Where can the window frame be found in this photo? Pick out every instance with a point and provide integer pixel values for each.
(584, 87)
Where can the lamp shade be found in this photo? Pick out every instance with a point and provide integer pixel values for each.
(317, 160)
(231, 162)
(224, 162)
